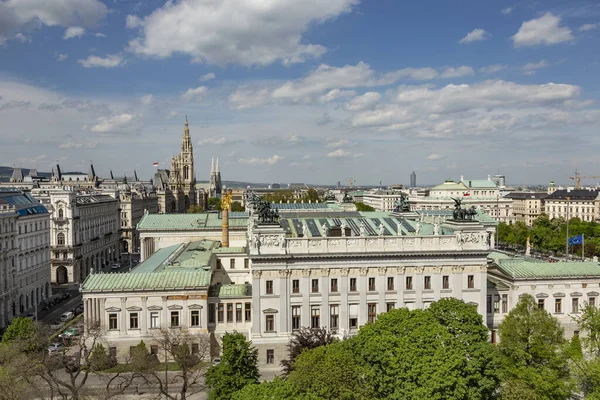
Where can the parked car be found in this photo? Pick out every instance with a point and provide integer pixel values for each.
(67, 316)
(55, 348)
(116, 266)
(78, 310)
(64, 296)
(70, 332)
(216, 361)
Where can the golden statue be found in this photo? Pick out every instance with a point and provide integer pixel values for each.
(226, 200)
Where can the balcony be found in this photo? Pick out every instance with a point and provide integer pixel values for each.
(60, 220)
(61, 261)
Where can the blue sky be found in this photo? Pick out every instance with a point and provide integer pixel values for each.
(314, 91)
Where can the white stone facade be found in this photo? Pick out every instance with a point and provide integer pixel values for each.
(382, 200)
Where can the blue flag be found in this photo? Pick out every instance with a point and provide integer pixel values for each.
(575, 240)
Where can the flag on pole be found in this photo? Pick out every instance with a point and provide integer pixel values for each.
(575, 240)
(467, 193)
(155, 163)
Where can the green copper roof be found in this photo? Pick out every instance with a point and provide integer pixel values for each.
(147, 281)
(190, 222)
(523, 269)
(450, 185)
(183, 256)
(496, 255)
(155, 260)
(479, 184)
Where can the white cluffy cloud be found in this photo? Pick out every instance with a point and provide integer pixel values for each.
(110, 61)
(339, 153)
(365, 102)
(531, 68)
(544, 30)
(207, 77)
(79, 145)
(243, 32)
(147, 99)
(588, 27)
(74, 31)
(475, 35)
(434, 156)
(507, 10)
(329, 83)
(15, 14)
(62, 57)
(492, 69)
(115, 123)
(196, 94)
(213, 141)
(261, 161)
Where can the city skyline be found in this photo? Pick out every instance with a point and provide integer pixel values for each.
(304, 91)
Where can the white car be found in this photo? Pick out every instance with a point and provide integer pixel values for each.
(55, 348)
(115, 266)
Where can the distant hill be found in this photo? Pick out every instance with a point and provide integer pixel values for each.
(6, 173)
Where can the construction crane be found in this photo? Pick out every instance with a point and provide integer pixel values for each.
(577, 178)
(351, 182)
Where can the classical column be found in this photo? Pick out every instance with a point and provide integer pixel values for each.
(305, 290)
(123, 324)
(284, 302)
(381, 282)
(256, 311)
(165, 317)
(363, 288)
(144, 315)
(343, 287)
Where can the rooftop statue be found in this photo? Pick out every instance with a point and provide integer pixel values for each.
(263, 210)
(347, 198)
(402, 204)
(462, 214)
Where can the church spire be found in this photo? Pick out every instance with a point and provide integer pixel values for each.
(212, 166)
(217, 170)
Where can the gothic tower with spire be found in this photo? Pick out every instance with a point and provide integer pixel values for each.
(182, 180)
(214, 188)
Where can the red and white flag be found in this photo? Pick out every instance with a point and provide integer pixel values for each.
(155, 163)
(467, 193)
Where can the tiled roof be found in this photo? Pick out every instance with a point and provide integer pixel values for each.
(479, 183)
(229, 250)
(496, 255)
(526, 195)
(153, 262)
(147, 281)
(450, 185)
(191, 222)
(523, 269)
(23, 203)
(573, 195)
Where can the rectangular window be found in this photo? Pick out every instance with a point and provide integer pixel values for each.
(489, 304)
(248, 311)
(174, 319)
(195, 318)
(427, 283)
(592, 301)
(296, 286)
(445, 282)
(353, 323)
(270, 323)
(353, 284)
(314, 285)
(112, 321)
(334, 316)
(372, 309)
(371, 284)
(315, 315)
(229, 312)
(232, 263)
(211, 313)
(541, 304)
(390, 306)
(238, 312)
(219, 264)
(195, 348)
(409, 284)
(558, 306)
(269, 288)
(112, 352)
(390, 283)
(154, 319)
(334, 286)
(220, 312)
(470, 281)
(270, 356)
(504, 303)
(154, 350)
(295, 317)
(575, 305)
(133, 320)
(246, 263)
(496, 303)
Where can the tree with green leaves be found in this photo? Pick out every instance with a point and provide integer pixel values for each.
(303, 339)
(363, 207)
(238, 368)
(275, 389)
(533, 354)
(195, 209)
(213, 204)
(19, 328)
(587, 369)
(236, 206)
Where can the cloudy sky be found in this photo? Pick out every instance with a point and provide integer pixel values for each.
(304, 90)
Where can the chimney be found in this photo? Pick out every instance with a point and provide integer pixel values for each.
(225, 208)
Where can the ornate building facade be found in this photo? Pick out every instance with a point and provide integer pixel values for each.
(214, 188)
(176, 188)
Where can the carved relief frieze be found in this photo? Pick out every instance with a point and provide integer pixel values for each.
(315, 243)
(334, 242)
(256, 274)
(390, 242)
(382, 270)
(353, 242)
(364, 270)
(371, 242)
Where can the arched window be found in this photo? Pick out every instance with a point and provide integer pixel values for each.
(61, 213)
(185, 172)
(60, 239)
